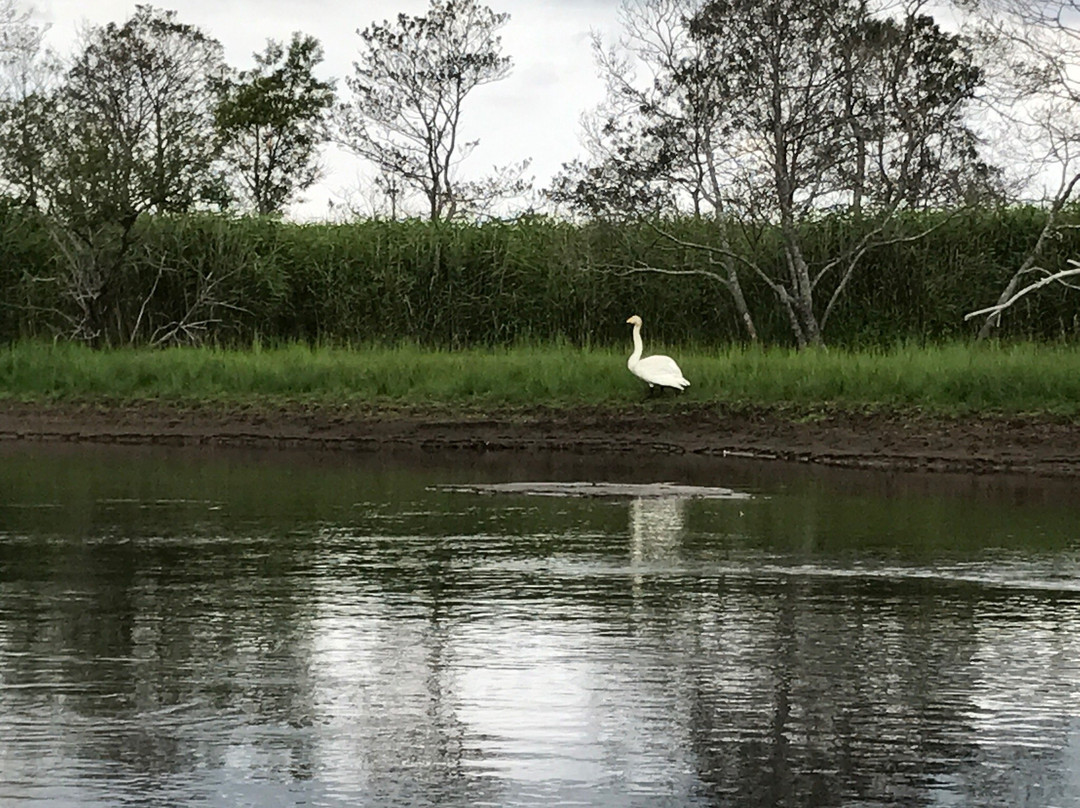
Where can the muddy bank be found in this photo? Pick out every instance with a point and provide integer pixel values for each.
(1036, 445)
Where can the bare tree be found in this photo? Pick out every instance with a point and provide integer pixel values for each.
(768, 115)
(653, 142)
(409, 88)
(765, 116)
(798, 98)
(1032, 49)
(28, 74)
(18, 38)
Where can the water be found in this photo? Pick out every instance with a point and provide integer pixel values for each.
(264, 629)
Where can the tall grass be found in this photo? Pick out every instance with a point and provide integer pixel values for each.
(954, 377)
(454, 285)
(406, 374)
(951, 378)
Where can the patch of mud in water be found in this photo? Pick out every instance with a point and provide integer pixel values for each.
(589, 489)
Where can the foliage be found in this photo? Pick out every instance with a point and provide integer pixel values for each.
(128, 130)
(651, 143)
(233, 281)
(137, 120)
(270, 118)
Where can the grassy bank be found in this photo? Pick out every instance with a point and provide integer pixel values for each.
(954, 378)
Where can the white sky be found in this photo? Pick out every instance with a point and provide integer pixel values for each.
(534, 113)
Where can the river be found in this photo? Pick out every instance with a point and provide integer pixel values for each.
(282, 628)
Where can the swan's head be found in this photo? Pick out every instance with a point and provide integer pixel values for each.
(634, 320)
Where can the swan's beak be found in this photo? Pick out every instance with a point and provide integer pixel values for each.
(629, 319)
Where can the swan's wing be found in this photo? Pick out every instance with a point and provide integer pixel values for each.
(661, 370)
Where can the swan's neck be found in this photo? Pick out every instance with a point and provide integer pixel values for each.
(636, 355)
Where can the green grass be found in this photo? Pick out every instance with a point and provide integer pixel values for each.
(954, 378)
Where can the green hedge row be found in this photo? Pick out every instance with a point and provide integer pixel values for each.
(504, 282)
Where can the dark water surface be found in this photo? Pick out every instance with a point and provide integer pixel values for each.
(280, 628)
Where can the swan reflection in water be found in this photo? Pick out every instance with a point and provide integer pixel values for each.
(656, 529)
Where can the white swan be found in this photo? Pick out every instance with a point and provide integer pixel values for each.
(656, 370)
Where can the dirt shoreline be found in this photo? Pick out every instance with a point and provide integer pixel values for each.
(905, 442)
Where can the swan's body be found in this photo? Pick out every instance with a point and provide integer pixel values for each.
(657, 371)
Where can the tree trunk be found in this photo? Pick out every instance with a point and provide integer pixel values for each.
(730, 269)
(740, 302)
(860, 176)
(803, 303)
(735, 287)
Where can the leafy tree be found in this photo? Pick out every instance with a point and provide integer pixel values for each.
(908, 89)
(131, 131)
(139, 102)
(409, 89)
(270, 118)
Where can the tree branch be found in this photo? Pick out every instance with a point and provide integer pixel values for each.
(1000, 307)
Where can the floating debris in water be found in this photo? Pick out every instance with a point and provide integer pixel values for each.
(589, 489)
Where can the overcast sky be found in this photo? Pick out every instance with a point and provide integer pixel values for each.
(532, 114)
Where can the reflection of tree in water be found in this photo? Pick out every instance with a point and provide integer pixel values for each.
(164, 650)
(182, 659)
(800, 687)
(384, 652)
(821, 692)
(1026, 701)
(174, 644)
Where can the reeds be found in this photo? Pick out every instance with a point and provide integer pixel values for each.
(950, 378)
(452, 286)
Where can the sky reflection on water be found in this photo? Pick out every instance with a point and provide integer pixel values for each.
(282, 629)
